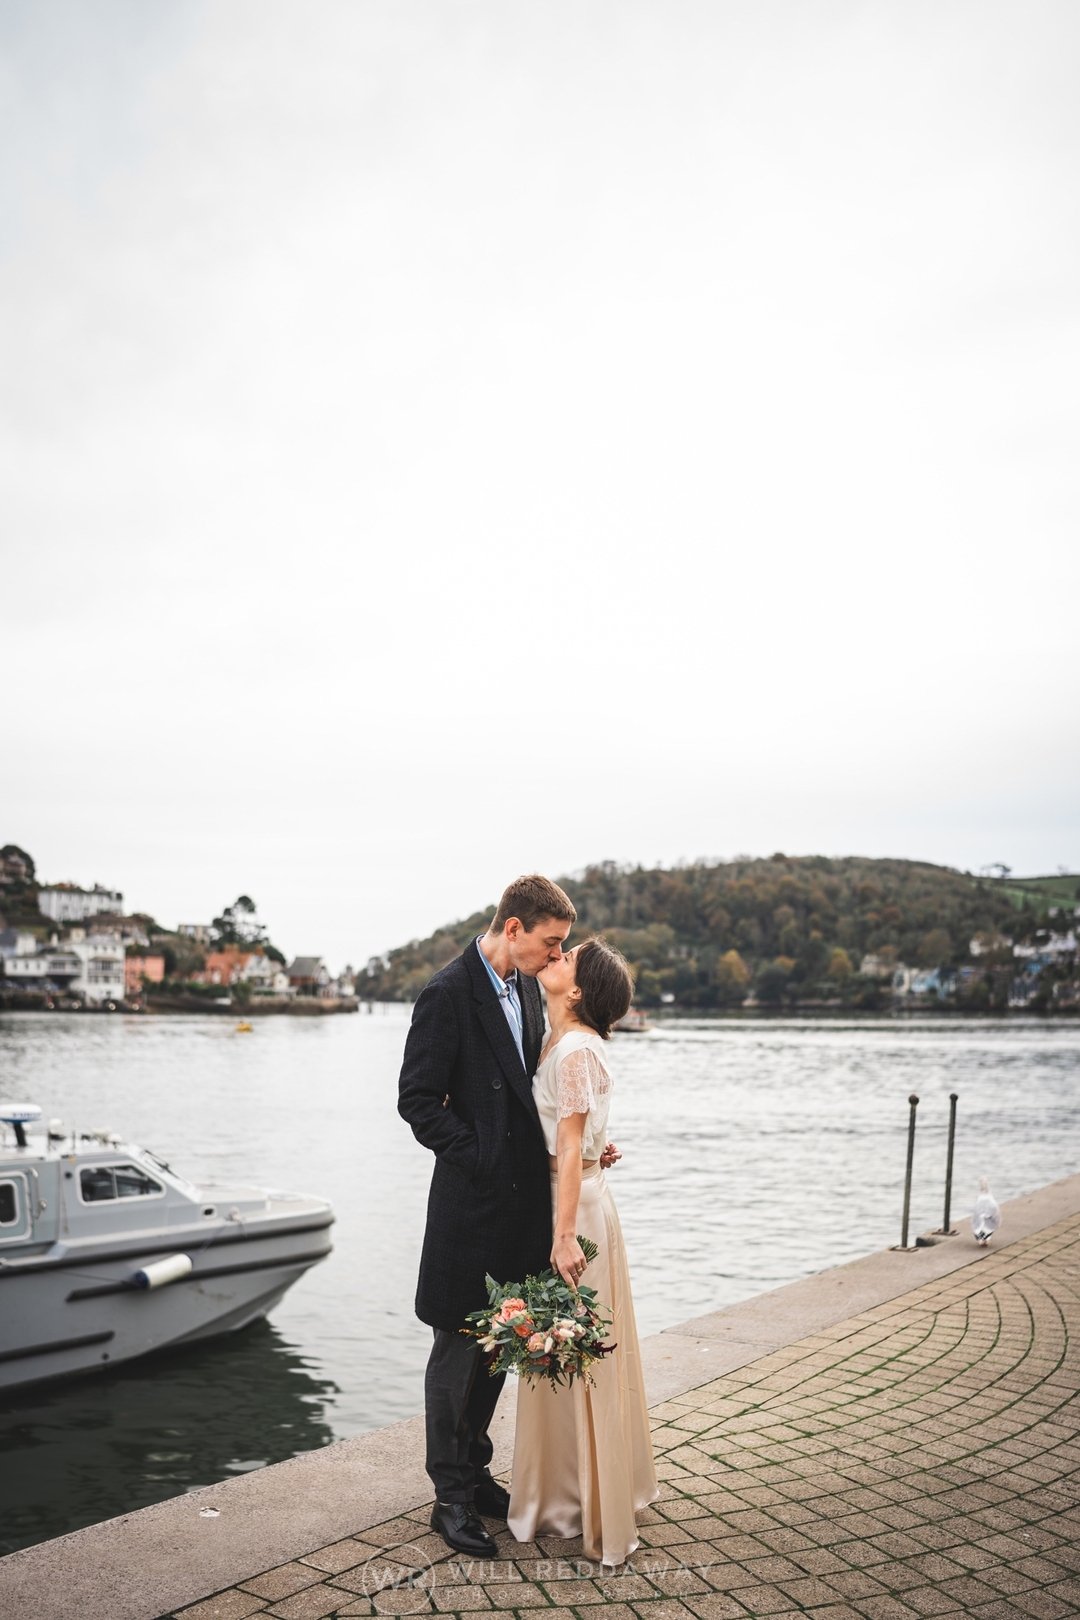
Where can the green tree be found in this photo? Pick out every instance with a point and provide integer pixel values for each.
(732, 979)
(934, 949)
(771, 981)
(239, 924)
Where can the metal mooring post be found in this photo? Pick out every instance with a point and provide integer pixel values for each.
(914, 1101)
(945, 1230)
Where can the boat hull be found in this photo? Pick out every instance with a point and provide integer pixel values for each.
(87, 1314)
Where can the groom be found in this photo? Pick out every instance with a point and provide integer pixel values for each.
(466, 1090)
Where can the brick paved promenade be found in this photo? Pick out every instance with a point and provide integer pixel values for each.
(922, 1458)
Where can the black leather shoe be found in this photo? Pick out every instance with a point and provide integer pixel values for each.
(459, 1525)
(490, 1498)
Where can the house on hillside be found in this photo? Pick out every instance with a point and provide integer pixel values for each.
(1047, 947)
(922, 984)
(67, 903)
(989, 945)
(15, 867)
(131, 929)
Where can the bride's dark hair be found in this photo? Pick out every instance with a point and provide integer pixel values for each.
(603, 976)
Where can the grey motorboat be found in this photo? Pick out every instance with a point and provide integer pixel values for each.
(106, 1253)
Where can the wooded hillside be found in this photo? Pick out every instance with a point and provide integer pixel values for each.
(783, 929)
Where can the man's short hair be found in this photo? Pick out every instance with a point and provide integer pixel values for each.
(530, 900)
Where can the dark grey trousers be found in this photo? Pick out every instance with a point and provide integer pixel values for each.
(459, 1400)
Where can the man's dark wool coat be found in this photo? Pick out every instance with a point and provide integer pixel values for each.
(489, 1208)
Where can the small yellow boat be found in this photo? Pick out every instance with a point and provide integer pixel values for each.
(244, 1028)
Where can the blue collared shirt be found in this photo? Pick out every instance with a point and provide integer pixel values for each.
(507, 992)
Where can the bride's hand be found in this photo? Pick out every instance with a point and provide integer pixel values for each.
(568, 1260)
(609, 1156)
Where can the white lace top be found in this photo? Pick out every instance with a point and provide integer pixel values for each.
(574, 1079)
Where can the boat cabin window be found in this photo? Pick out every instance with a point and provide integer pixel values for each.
(100, 1183)
(9, 1204)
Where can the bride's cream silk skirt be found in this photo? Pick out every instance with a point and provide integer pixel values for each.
(583, 1462)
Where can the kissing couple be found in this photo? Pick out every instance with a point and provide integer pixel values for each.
(515, 1110)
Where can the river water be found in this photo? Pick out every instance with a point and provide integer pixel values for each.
(756, 1152)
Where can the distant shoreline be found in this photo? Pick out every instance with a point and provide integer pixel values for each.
(264, 1006)
(312, 1006)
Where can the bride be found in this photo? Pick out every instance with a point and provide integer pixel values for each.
(583, 1459)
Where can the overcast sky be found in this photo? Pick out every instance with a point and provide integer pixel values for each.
(444, 440)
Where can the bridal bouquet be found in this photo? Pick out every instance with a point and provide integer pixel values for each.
(542, 1328)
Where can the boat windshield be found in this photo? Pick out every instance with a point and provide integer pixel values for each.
(101, 1183)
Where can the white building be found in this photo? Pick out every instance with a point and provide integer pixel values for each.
(50, 966)
(200, 933)
(101, 957)
(261, 972)
(1048, 946)
(987, 944)
(67, 903)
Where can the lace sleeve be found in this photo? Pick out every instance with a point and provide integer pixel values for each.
(580, 1079)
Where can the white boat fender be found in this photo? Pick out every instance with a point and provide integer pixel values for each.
(159, 1272)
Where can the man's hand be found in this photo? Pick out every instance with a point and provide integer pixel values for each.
(610, 1156)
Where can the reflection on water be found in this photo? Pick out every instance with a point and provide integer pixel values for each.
(108, 1444)
(756, 1152)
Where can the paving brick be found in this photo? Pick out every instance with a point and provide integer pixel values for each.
(516, 1595)
(573, 1593)
(927, 1600)
(282, 1581)
(450, 1600)
(338, 1556)
(1044, 1604)
(713, 1607)
(229, 1605)
(394, 1601)
(662, 1609)
(315, 1602)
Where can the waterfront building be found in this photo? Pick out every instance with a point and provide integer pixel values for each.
(222, 967)
(308, 976)
(25, 963)
(261, 972)
(101, 962)
(198, 933)
(67, 903)
(141, 970)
